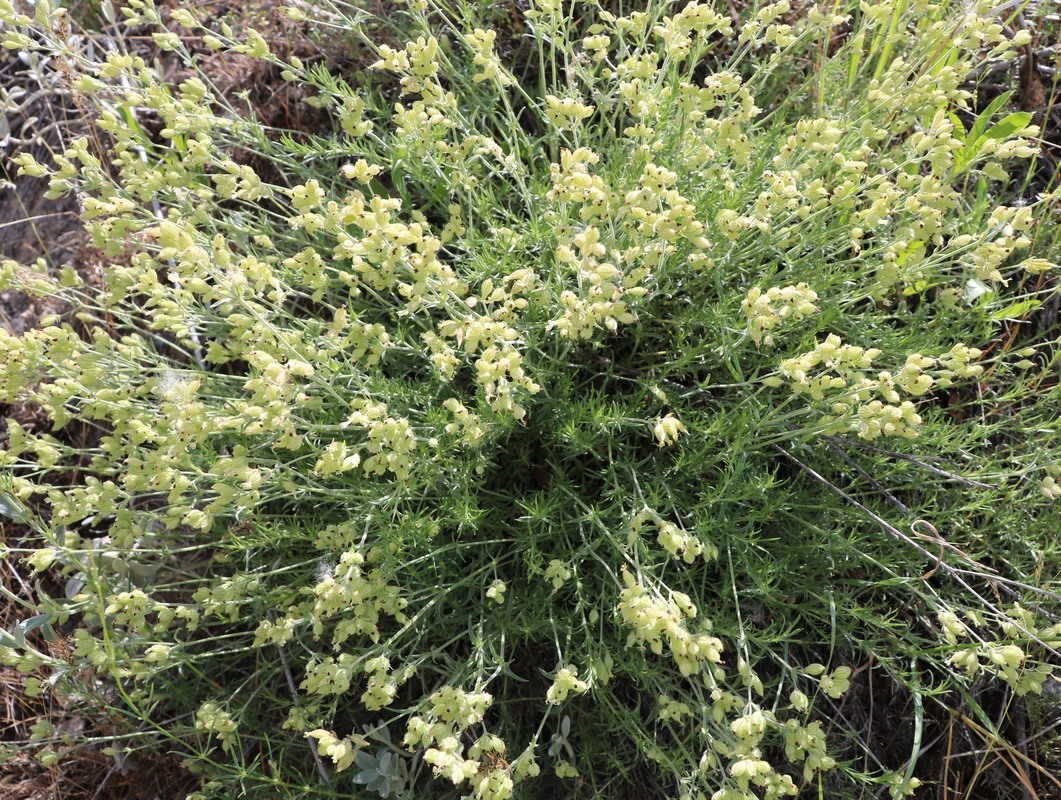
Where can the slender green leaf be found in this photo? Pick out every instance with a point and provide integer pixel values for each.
(1016, 310)
(1008, 126)
(11, 508)
(985, 116)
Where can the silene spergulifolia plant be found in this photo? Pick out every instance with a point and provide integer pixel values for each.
(582, 410)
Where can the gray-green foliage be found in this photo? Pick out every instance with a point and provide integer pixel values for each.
(591, 420)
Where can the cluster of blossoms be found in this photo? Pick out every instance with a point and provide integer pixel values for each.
(565, 682)
(684, 545)
(217, 721)
(764, 30)
(391, 441)
(496, 592)
(667, 430)
(667, 708)
(469, 426)
(1009, 227)
(766, 310)
(678, 543)
(342, 752)
(452, 712)
(566, 113)
(746, 768)
(558, 573)
(383, 683)
(490, 69)
(1009, 659)
(659, 621)
(346, 592)
(1048, 485)
(602, 302)
(694, 23)
(835, 375)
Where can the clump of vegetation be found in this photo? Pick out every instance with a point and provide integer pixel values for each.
(586, 412)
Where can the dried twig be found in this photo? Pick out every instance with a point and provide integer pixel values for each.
(957, 573)
(876, 484)
(321, 769)
(921, 462)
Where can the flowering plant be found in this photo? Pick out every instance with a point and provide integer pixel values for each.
(516, 397)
